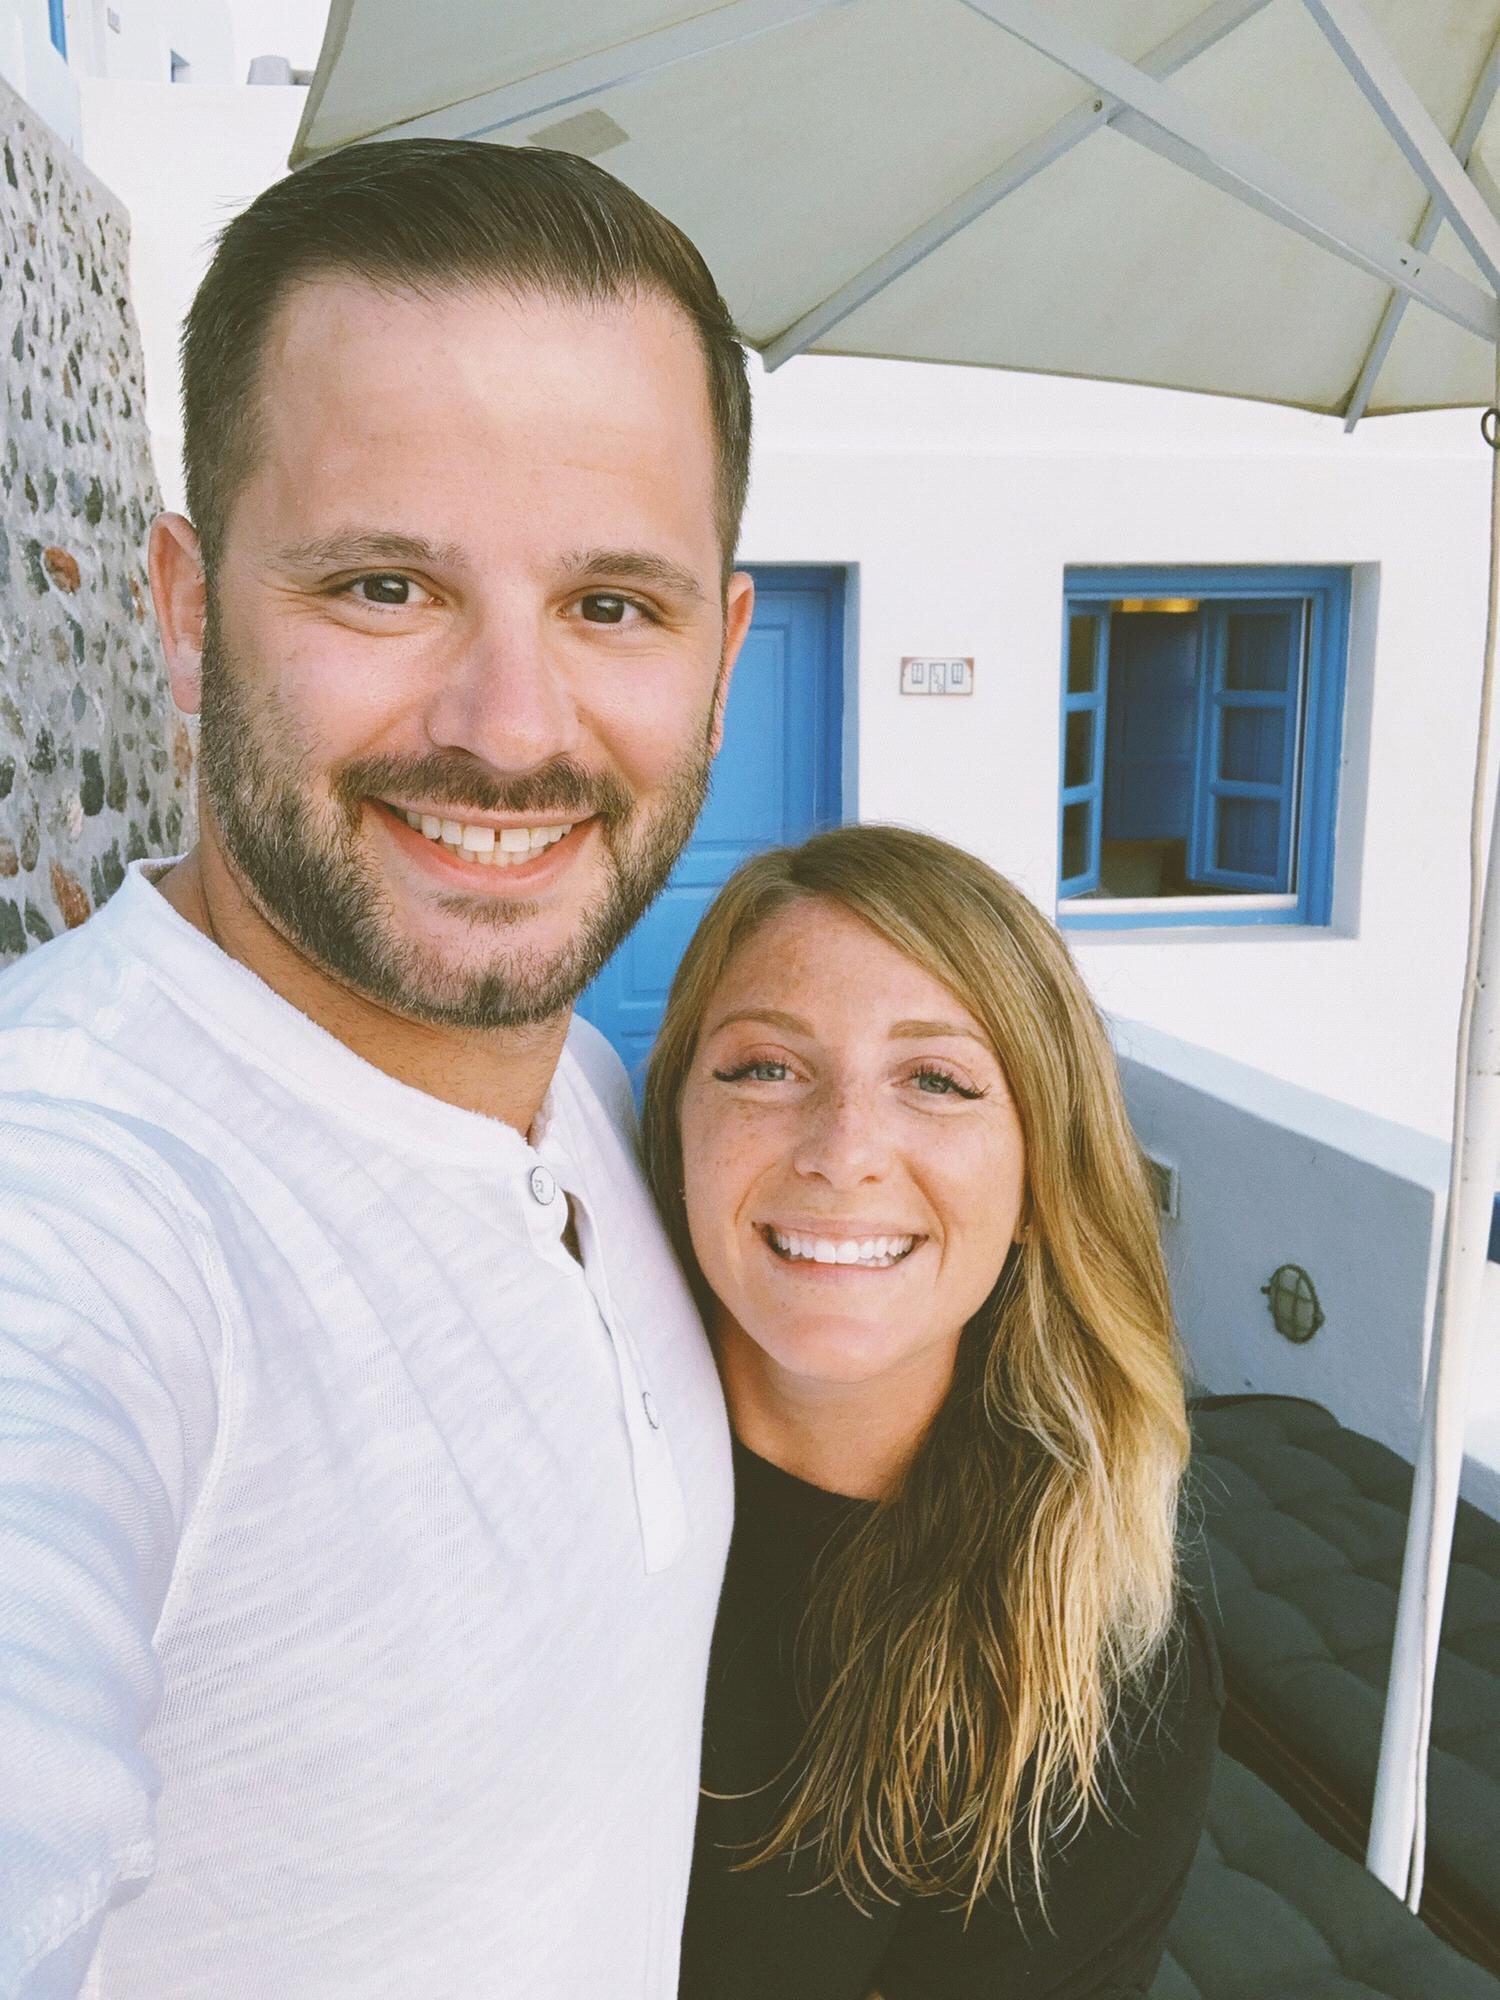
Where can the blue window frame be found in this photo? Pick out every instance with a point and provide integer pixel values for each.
(1202, 715)
(57, 25)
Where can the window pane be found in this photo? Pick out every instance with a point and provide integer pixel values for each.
(1253, 743)
(1245, 842)
(1078, 763)
(1262, 651)
(1075, 840)
(1083, 653)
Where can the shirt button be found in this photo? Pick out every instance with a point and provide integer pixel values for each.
(543, 1187)
(648, 1404)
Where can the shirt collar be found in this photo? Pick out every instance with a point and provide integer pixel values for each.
(238, 1008)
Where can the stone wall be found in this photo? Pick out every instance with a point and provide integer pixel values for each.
(94, 761)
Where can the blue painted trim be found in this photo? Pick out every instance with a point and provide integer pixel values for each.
(829, 583)
(57, 26)
(1328, 591)
(1091, 792)
(1323, 737)
(1495, 1232)
(849, 696)
(1167, 919)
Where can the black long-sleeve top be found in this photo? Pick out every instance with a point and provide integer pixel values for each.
(1110, 1892)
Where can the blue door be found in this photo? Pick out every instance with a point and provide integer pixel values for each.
(777, 779)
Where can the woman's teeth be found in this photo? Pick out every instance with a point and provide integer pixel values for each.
(491, 849)
(870, 1253)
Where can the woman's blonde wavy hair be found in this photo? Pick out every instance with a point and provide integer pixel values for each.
(972, 1638)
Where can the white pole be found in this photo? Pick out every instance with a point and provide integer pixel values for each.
(1398, 1819)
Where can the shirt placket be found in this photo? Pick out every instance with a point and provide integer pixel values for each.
(552, 1184)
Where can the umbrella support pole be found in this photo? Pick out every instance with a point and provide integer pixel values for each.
(1399, 1816)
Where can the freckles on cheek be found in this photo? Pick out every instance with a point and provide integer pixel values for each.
(718, 1179)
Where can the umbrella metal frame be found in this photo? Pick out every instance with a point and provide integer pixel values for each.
(1132, 98)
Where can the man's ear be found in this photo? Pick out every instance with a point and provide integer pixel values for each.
(739, 607)
(180, 593)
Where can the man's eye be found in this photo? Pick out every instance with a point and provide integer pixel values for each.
(394, 590)
(603, 607)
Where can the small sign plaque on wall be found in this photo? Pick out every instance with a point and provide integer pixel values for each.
(947, 676)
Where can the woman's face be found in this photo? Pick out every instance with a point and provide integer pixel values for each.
(852, 1157)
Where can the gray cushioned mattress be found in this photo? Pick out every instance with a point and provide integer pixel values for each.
(1272, 1912)
(1303, 1524)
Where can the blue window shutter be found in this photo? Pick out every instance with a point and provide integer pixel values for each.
(1150, 726)
(1085, 690)
(57, 25)
(1246, 769)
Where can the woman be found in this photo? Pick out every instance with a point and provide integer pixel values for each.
(960, 1717)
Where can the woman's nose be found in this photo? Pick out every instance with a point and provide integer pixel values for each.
(843, 1143)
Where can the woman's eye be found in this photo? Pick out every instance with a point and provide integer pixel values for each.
(763, 1071)
(938, 1083)
(604, 607)
(387, 590)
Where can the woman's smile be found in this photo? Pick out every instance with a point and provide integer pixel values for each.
(829, 1246)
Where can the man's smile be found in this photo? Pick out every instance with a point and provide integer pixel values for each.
(491, 843)
(485, 857)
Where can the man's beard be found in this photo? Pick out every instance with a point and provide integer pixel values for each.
(304, 867)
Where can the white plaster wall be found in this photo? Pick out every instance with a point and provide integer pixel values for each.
(150, 31)
(34, 69)
(184, 161)
(1271, 1174)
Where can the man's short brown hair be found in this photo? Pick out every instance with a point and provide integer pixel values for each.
(427, 215)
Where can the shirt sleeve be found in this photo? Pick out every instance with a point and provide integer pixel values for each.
(1112, 1891)
(110, 1352)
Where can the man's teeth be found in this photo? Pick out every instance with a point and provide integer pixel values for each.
(873, 1253)
(491, 849)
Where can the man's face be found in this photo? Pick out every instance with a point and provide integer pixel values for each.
(473, 582)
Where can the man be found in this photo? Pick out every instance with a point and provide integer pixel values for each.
(366, 1486)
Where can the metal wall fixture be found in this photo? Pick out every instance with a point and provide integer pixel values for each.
(1293, 1302)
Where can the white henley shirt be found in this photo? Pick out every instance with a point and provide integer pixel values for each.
(359, 1547)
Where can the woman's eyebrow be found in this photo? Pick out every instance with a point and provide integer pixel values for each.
(770, 1017)
(911, 1029)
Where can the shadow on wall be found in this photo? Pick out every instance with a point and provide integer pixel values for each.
(95, 765)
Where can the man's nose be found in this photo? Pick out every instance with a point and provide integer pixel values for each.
(844, 1141)
(505, 697)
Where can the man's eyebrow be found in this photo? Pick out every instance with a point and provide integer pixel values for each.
(358, 548)
(636, 566)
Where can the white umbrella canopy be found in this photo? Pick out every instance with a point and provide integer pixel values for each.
(800, 142)
(1296, 201)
